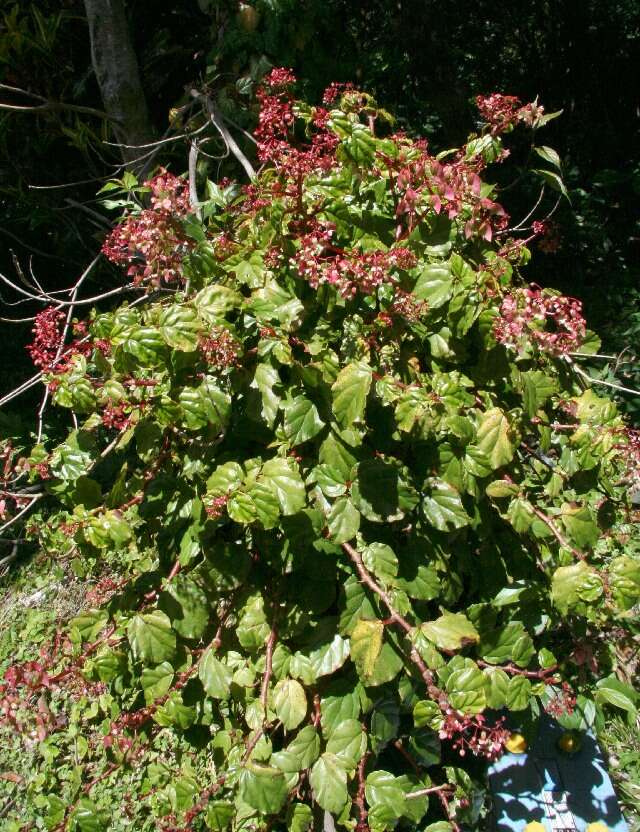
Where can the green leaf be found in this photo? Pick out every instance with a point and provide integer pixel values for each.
(265, 505)
(361, 145)
(215, 676)
(151, 638)
(350, 391)
(179, 326)
(328, 780)
(301, 420)
(225, 479)
(614, 692)
(549, 155)
(214, 301)
(435, 285)
(156, 681)
(442, 506)
(219, 815)
(518, 693)
(174, 712)
(624, 580)
(494, 438)
(424, 746)
(299, 817)
(385, 721)
(382, 789)
(554, 180)
(88, 817)
(305, 746)
(283, 478)
(274, 303)
(510, 642)
(204, 405)
(241, 508)
(264, 788)
(252, 629)
(248, 270)
(381, 560)
(290, 703)
(498, 684)
(502, 488)
(573, 584)
(579, 523)
(330, 657)
(348, 743)
(265, 381)
(388, 664)
(537, 389)
(329, 480)
(187, 606)
(380, 492)
(451, 631)
(365, 646)
(343, 521)
(426, 713)
(467, 689)
(146, 344)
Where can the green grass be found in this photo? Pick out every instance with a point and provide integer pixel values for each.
(621, 744)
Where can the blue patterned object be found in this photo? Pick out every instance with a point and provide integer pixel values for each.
(564, 792)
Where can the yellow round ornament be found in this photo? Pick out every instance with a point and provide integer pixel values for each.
(570, 742)
(534, 826)
(516, 743)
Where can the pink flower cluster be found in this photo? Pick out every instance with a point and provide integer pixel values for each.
(215, 506)
(553, 323)
(407, 306)
(152, 244)
(549, 235)
(334, 91)
(425, 183)
(275, 121)
(474, 734)
(318, 261)
(169, 193)
(279, 80)
(562, 702)
(114, 416)
(47, 331)
(503, 112)
(630, 450)
(220, 349)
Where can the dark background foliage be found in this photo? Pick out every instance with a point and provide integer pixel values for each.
(425, 62)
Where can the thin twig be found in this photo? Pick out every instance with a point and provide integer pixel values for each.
(609, 384)
(218, 122)
(430, 790)
(523, 222)
(427, 676)
(23, 511)
(562, 540)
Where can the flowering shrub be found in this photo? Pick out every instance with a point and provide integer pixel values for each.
(153, 243)
(366, 513)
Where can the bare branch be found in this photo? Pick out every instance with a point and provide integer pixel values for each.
(21, 513)
(396, 618)
(609, 384)
(218, 122)
(562, 540)
(46, 105)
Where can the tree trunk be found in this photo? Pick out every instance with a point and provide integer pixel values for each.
(116, 68)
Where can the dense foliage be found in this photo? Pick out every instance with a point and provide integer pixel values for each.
(352, 496)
